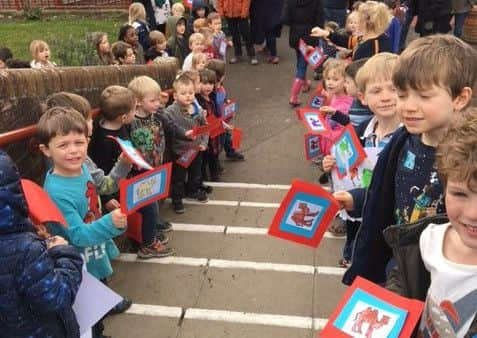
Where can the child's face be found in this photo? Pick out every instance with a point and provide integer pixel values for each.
(460, 205)
(3, 65)
(353, 25)
(201, 64)
(206, 88)
(130, 57)
(43, 55)
(177, 11)
(185, 95)
(427, 112)
(350, 86)
(67, 152)
(197, 46)
(180, 28)
(104, 46)
(160, 47)
(150, 103)
(334, 82)
(200, 12)
(216, 25)
(131, 37)
(381, 97)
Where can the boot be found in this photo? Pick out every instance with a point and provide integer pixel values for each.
(295, 91)
(306, 86)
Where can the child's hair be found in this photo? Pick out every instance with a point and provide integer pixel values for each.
(178, 9)
(199, 24)
(456, 154)
(17, 63)
(37, 46)
(198, 57)
(96, 38)
(213, 16)
(456, 67)
(356, 5)
(218, 66)
(70, 100)
(336, 65)
(331, 26)
(352, 68)
(5, 54)
(116, 101)
(137, 12)
(184, 79)
(207, 76)
(195, 37)
(60, 121)
(207, 32)
(142, 86)
(120, 49)
(123, 31)
(353, 15)
(378, 67)
(156, 37)
(191, 74)
(375, 16)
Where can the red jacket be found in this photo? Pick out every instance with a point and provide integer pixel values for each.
(233, 8)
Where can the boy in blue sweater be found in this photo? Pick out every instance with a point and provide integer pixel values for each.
(405, 186)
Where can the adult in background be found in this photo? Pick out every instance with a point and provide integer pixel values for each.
(460, 10)
(335, 10)
(433, 16)
(265, 22)
(236, 12)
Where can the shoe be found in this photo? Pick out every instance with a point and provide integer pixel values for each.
(234, 59)
(164, 226)
(221, 170)
(207, 188)
(161, 237)
(253, 61)
(178, 207)
(294, 92)
(273, 60)
(324, 178)
(338, 228)
(155, 250)
(199, 195)
(121, 307)
(262, 49)
(344, 263)
(235, 156)
(306, 86)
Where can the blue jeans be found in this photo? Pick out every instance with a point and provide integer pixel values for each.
(149, 218)
(459, 20)
(301, 65)
(271, 43)
(405, 29)
(336, 15)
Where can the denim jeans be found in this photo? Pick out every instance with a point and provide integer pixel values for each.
(405, 29)
(149, 219)
(459, 20)
(301, 65)
(271, 43)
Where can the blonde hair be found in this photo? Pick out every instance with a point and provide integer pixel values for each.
(352, 15)
(178, 9)
(375, 16)
(198, 57)
(136, 12)
(378, 67)
(156, 37)
(115, 101)
(199, 24)
(196, 37)
(142, 86)
(37, 46)
(334, 65)
(456, 154)
(441, 60)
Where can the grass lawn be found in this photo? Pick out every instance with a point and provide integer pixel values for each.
(60, 32)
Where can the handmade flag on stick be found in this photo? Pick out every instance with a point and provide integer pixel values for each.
(132, 153)
(348, 151)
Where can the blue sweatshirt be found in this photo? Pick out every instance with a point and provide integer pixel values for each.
(87, 230)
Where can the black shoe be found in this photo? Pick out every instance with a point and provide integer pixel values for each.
(207, 188)
(178, 207)
(121, 307)
(161, 237)
(324, 178)
(235, 156)
(163, 226)
(199, 195)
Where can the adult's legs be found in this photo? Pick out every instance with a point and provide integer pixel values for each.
(244, 29)
(405, 28)
(234, 31)
(271, 43)
(459, 20)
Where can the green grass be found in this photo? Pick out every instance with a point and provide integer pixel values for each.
(57, 31)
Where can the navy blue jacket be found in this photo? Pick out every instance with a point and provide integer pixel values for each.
(37, 286)
(371, 253)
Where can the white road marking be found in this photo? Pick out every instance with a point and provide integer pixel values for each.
(155, 310)
(189, 261)
(246, 231)
(198, 227)
(258, 204)
(248, 185)
(211, 202)
(330, 270)
(263, 266)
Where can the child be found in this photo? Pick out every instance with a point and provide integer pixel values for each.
(374, 19)
(209, 49)
(377, 91)
(237, 13)
(158, 46)
(40, 53)
(128, 34)
(219, 41)
(137, 19)
(104, 55)
(177, 43)
(200, 10)
(183, 114)
(40, 278)
(123, 53)
(206, 99)
(199, 61)
(198, 24)
(5, 54)
(196, 45)
(117, 106)
(405, 186)
(178, 9)
(438, 263)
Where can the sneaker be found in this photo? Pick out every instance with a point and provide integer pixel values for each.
(338, 228)
(178, 207)
(121, 307)
(161, 237)
(235, 156)
(163, 226)
(155, 250)
(253, 61)
(234, 59)
(344, 263)
(273, 60)
(207, 188)
(199, 195)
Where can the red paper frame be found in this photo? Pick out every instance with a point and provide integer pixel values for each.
(357, 146)
(236, 138)
(307, 153)
(319, 114)
(318, 92)
(303, 48)
(124, 183)
(190, 158)
(413, 307)
(299, 186)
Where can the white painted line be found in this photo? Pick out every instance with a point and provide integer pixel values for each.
(212, 202)
(189, 261)
(319, 323)
(330, 270)
(198, 227)
(155, 310)
(248, 185)
(259, 204)
(228, 264)
(246, 231)
(250, 318)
